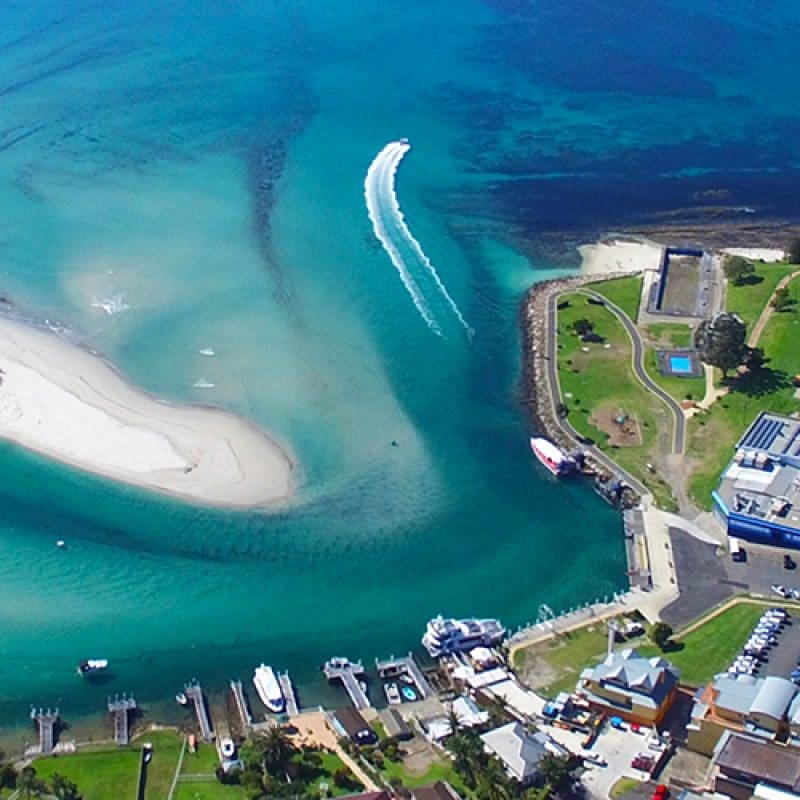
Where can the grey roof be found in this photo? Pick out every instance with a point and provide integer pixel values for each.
(737, 694)
(774, 697)
(650, 680)
(773, 434)
(794, 710)
(393, 723)
(519, 750)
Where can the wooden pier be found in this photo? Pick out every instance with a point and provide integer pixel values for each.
(289, 696)
(240, 701)
(195, 693)
(120, 708)
(347, 672)
(46, 721)
(395, 667)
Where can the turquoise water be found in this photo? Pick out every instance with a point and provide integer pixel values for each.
(200, 169)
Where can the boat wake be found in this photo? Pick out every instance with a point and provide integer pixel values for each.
(111, 305)
(403, 249)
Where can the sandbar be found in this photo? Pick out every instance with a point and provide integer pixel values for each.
(618, 255)
(69, 404)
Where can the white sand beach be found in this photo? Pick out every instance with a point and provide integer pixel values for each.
(757, 253)
(68, 404)
(619, 255)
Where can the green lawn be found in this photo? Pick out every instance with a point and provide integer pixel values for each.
(623, 292)
(679, 388)
(748, 300)
(598, 378)
(623, 786)
(207, 790)
(710, 648)
(669, 334)
(112, 773)
(440, 771)
(565, 656)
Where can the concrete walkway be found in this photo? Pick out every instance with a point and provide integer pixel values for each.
(768, 310)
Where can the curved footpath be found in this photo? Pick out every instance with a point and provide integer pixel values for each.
(637, 363)
(768, 310)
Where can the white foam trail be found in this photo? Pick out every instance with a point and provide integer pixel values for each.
(386, 165)
(380, 183)
(111, 305)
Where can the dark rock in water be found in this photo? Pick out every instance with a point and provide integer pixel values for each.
(394, 443)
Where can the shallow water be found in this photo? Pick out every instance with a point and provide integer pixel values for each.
(200, 173)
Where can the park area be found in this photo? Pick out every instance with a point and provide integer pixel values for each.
(772, 387)
(603, 399)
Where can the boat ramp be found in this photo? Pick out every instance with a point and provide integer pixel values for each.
(408, 668)
(195, 693)
(289, 695)
(348, 672)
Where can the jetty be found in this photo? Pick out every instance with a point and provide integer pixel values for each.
(120, 707)
(240, 701)
(195, 693)
(348, 672)
(46, 722)
(405, 667)
(289, 695)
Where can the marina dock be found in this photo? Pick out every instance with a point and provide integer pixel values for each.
(46, 721)
(195, 693)
(348, 672)
(120, 707)
(240, 701)
(397, 667)
(289, 696)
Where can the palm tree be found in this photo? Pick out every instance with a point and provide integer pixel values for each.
(494, 783)
(277, 748)
(467, 755)
(28, 783)
(453, 720)
(553, 770)
(63, 788)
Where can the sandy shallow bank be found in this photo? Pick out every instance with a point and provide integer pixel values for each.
(68, 404)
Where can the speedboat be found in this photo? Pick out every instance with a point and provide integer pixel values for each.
(227, 748)
(181, 699)
(91, 666)
(392, 693)
(268, 688)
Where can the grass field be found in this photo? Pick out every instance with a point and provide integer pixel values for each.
(622, 787)
(710, 648)
(714, 434)
(564, 657)
(679, 388)
(669, 334)
(108, 774)
(206, 790)
(441, 771)
(748, 300)
(623, 292)
(597, 377)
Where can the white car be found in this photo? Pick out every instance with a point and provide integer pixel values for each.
(594, 758)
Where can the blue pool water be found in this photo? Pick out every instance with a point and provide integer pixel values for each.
(680, 364)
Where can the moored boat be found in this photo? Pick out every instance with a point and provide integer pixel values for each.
(552, 457)
(445, 636)
(92, 666)
(268, 688)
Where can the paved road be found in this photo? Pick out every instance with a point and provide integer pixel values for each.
(555, 398)
(637, 362)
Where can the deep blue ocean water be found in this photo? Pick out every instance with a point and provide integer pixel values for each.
(199, 167)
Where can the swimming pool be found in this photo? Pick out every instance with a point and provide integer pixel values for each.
(681, 365)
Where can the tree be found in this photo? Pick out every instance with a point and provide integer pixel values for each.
(738, 269)
(468, 755)
(793, 252)
(554, 771)
(783, 300)
(494, 783)
(660, 634)
(63, 788)
(720, 341)
(582, 326)
(277, 750)
(8, 776)
(29, 784)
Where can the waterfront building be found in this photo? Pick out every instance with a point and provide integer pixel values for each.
(763, 707)
(630, 686)
(349, 722)
(519, 750)
(759, 491)
(743, 767)
(394, 725)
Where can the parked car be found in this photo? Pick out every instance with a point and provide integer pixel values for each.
(594, 758)
(780, 590)
(789, 562)
(661, 792)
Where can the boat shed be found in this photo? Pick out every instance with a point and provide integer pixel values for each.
(349, 722)
(394, 725)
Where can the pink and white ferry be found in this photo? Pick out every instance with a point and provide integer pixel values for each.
(558, 462)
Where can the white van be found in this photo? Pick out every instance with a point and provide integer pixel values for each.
(737, 551)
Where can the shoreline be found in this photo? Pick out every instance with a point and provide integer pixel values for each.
(71, 405)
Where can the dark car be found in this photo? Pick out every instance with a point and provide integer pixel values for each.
(789, 562)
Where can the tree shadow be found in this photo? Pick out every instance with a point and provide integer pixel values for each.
(749, 280)
(759, 381)
(672, 646)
